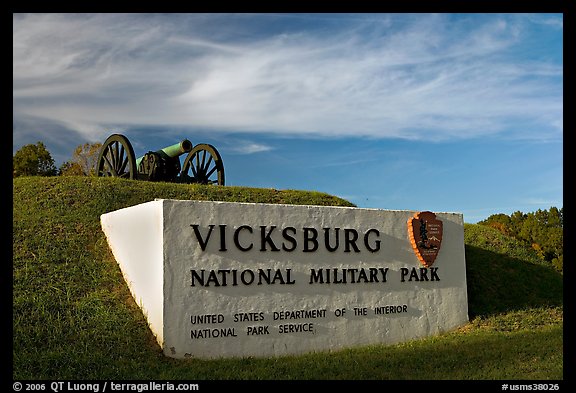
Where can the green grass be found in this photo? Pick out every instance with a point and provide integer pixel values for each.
(74, 317)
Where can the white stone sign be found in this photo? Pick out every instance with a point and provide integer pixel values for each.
(222, 279)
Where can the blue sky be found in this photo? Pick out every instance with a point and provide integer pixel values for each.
(441, 112)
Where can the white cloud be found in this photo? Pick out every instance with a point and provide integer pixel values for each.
(250, 148)
(428, 78)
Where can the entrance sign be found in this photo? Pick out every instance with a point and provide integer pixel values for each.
(223, 279)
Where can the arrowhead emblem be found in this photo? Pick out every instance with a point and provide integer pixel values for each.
(425, 233)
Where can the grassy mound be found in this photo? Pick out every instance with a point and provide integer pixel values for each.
(74, 317)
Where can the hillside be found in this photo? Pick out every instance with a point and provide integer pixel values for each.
(74, 318)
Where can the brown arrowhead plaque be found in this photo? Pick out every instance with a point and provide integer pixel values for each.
(425, 233)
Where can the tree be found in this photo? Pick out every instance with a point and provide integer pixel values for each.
(70, 168)
(33, 160)
(83, 162)
(543, 230)
(500, 221)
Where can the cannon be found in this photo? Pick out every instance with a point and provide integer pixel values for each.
(202, 165)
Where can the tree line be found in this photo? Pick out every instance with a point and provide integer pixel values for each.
(542, 230)
(36, 160)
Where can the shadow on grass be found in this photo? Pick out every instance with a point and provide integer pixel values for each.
(499, 283)
(480, 356)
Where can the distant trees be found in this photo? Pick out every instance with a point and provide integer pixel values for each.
(33, 160)
(83, 162)
(543, 230)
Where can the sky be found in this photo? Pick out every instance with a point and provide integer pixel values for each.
(442, 112)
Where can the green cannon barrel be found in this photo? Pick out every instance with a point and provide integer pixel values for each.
(171, 151)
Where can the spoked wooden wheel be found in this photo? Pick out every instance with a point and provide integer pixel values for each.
(204, 165)
(117, 158)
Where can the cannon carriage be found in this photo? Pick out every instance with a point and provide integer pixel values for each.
(202, 165)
